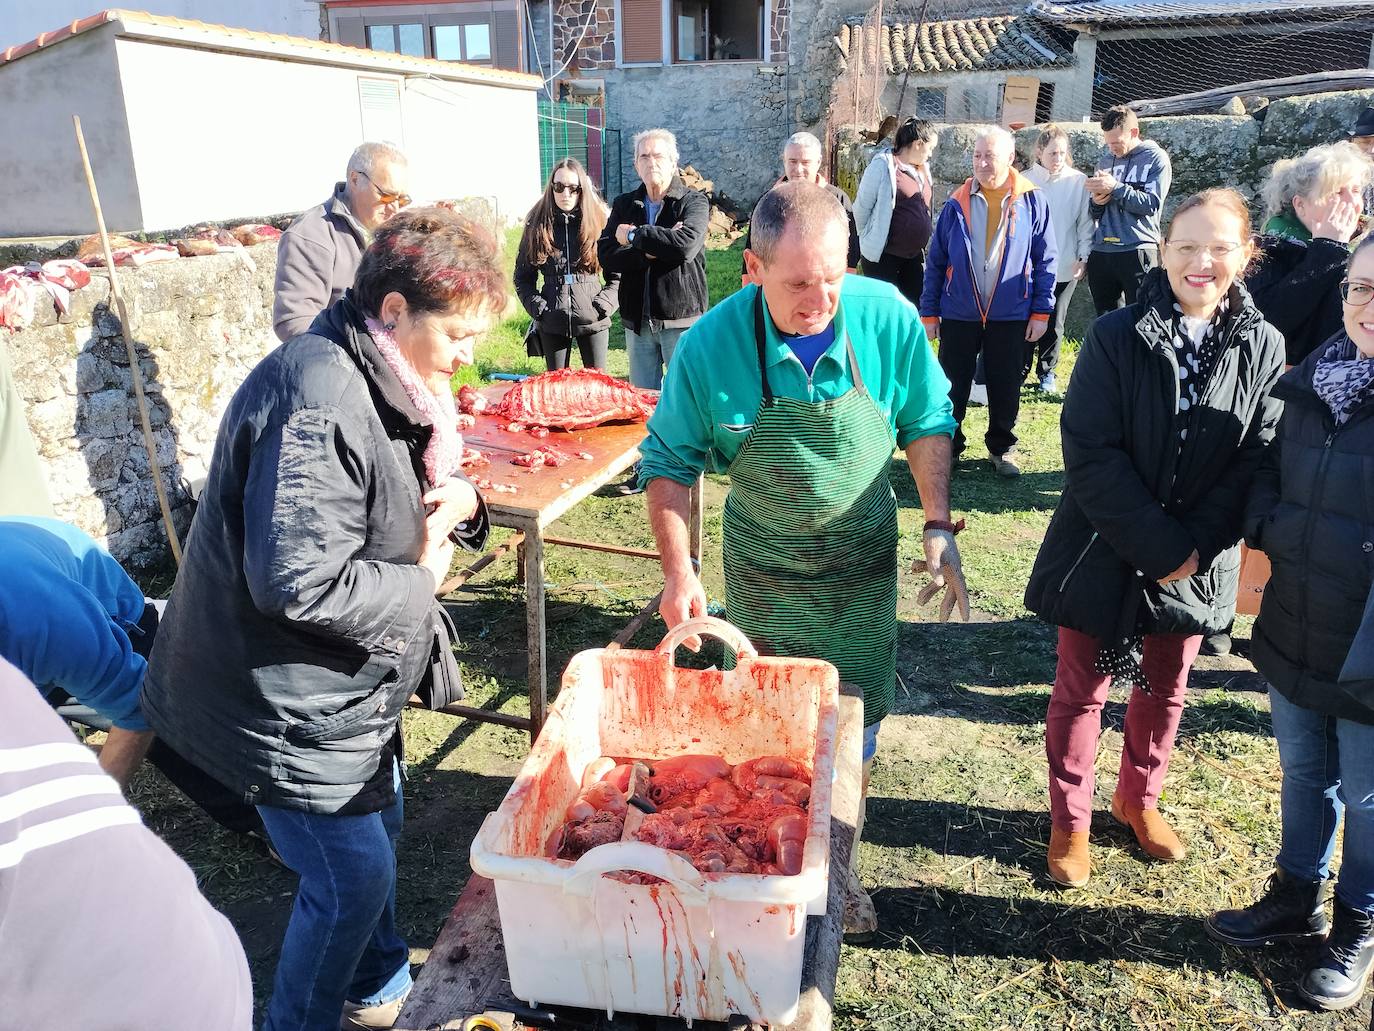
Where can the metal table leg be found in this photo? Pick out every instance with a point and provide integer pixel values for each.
(536, 628)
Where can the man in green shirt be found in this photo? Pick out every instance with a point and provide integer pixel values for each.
(800, 387)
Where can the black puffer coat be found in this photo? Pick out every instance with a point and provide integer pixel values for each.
(1296, 286)
(573, 300)
(1311, 510)
(1135, 505)
(301, 623)
(663, 270)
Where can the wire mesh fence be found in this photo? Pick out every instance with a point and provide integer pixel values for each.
(1012, 64)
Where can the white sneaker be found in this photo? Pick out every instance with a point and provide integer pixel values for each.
(1047, 383)
(978, 394)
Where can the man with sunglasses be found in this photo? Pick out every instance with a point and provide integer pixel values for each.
(318, 255)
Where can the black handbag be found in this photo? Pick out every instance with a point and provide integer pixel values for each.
(441, 684)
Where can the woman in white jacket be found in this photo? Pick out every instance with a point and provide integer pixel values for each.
(893, 209)
(1067, 194)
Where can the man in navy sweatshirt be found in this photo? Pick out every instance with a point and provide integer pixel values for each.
(1127, 198)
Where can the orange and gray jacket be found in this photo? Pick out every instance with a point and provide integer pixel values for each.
(1016, 284)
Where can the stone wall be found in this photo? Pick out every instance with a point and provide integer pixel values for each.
(1205, 151)
(201, 324)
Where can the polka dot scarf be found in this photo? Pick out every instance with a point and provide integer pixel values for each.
(1197, 342)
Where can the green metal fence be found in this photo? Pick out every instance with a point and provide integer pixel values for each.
(575, 131)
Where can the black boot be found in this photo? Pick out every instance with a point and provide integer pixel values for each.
(1338, 978)
(1289, 911)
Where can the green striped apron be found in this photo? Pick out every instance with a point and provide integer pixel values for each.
(810, 533)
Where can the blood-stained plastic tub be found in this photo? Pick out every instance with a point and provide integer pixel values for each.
(699, 946)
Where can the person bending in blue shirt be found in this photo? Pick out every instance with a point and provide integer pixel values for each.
(75, 623)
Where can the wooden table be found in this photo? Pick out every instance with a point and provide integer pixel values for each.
(466, 970)
(543, 496)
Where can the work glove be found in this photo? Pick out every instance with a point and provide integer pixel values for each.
(946, 571)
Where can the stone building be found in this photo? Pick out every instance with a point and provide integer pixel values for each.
(1069, 60)
(731, 78)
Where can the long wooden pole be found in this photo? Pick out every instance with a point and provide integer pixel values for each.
(135, 369)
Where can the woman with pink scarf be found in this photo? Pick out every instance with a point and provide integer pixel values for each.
(304, 616)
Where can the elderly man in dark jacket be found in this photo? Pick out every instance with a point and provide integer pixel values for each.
(655, 238)
(318, 255)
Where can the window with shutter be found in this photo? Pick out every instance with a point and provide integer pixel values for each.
(641, 31)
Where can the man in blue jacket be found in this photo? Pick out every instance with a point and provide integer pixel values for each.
(990, 288)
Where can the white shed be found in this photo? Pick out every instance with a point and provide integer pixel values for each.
(189, 122)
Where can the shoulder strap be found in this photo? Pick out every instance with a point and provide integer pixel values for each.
(760, 341)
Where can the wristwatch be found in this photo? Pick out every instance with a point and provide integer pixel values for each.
(630, 236)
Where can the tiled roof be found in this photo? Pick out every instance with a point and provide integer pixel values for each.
(141, 24)
(1154, 12)
(955, 45)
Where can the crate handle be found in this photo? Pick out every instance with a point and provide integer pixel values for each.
(727, 632)
(636, 857)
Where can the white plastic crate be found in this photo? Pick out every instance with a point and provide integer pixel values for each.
(697, 946)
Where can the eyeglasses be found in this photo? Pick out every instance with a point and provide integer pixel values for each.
(1218, 251)
(566, 188)
(1357, 295)
(402, 199)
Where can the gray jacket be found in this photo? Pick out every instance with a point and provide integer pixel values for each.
(317, 258)
(301, 621)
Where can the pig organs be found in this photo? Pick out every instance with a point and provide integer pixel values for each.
(750, 818)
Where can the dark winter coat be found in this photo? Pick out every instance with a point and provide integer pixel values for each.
(301, 623)
(663, 271)
(573, 300)
(1135, 505)
(1311, 510)
(1296, 286)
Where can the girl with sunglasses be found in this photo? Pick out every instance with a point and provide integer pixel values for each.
(576, 299)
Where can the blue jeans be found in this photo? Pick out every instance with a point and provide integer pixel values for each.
(871, 740)
(650, 354)
(341, 943)
(1328, 770)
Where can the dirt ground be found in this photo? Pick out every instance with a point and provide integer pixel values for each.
(972, 935)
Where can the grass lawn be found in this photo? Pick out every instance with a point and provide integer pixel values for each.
(972, 935)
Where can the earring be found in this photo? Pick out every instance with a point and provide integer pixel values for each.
(390, 327)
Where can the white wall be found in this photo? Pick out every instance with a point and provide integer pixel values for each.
(466, 140)
(44, 187)
(221, 136)
(23, 20)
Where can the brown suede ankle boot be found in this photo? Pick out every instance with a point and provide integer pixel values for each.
(1155, 836)
(1068, 864)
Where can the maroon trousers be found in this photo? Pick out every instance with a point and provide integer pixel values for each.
(1074, 724)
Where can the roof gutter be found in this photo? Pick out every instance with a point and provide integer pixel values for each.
(281, 48)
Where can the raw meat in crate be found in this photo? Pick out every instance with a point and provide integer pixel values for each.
(574, 399)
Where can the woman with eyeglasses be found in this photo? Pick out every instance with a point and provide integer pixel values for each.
(576, 299)
(1166, 419)
(1311, 510)
(1314, 205)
